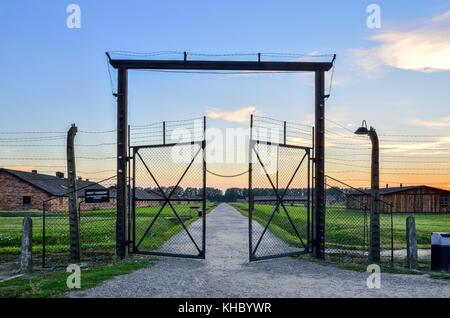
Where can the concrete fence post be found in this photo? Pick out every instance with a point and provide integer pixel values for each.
(26, 259)
(74, 214)
(411, 243)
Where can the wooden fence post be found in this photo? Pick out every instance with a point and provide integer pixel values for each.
(26, 256)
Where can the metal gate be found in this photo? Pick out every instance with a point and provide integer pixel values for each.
(280, 196)
(168, 191)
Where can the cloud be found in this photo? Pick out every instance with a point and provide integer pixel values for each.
(238, 116)
(441, 122)
(444, 17)
(435, 147)
(368, 62)
(424, 47)
(421, 50)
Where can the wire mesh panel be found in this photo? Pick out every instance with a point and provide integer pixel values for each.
(387, 233)
(346, 223)
(97, 225)
(279, 200)
(168, 190)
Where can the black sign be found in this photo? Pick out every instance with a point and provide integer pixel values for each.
(96, 196)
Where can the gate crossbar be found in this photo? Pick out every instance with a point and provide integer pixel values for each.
(279, 198)
(167, 199)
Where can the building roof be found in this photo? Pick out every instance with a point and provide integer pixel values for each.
(53, 185)
(384, 191)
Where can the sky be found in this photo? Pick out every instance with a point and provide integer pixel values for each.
(396, 77)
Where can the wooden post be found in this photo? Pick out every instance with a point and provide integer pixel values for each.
(411, 243)
(122, 141)
(26, 258)
(74, 216)
(319, 159)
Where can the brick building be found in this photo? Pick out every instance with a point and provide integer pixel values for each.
(25, 191)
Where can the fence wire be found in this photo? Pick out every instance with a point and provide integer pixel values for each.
(168, 203)
(282, 132)
(280, 204)
(347, 224)
(97, 227)
(348, 228)
(168, 132)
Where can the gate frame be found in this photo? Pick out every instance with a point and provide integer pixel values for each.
(123, 65)
(133, 151)
(279, 198)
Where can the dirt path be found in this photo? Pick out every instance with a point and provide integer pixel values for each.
(226, 272)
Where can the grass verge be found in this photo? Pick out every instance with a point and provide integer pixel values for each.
(53, 284)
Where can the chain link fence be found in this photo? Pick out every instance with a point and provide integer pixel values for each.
(50, 234)
(347, 224)
(280, 200)
(168, 188)
(97, 227)
(168, 200)
(348, 228)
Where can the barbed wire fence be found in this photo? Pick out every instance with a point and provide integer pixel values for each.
(43, 152)
(405, 160)
(97, 224)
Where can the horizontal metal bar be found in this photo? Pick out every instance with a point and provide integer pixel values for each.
(186, 143)
(171, 200)
(221, 65)
(283, 200)
(269, 143)
(260, 258)
(170, 254)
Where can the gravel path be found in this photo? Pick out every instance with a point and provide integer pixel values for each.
(227, 273)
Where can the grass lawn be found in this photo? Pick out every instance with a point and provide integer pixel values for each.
(345, 228)
(53, 284)
(97, 229)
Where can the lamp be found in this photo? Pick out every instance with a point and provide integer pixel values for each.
(363, 129)
(374, 244)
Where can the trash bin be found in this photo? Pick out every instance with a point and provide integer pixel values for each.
(440, 252)
(200, 212)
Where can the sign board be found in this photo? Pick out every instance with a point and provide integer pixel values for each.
(96, 196)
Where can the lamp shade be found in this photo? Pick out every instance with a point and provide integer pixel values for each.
(362, 131)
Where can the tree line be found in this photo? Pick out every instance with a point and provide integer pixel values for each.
(217, 195)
